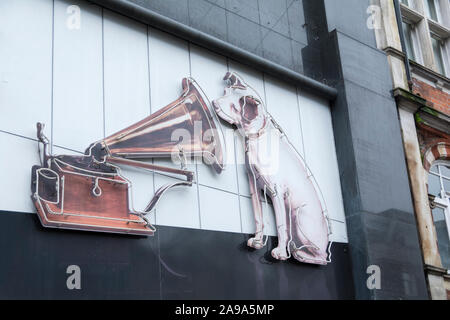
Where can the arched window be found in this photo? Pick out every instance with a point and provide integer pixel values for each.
(439, 190)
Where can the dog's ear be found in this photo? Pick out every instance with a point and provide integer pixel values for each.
(235, 81)
(255, 100)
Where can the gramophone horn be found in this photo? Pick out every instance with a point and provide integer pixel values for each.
(186, 126)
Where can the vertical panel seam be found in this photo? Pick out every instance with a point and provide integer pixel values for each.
(195, 160)
(150, 101)
(260, 44)
(301, 123)
(264, 214)
(236, 165)
(226, 28)
(103, 74)
(153, 161)
(52, 77)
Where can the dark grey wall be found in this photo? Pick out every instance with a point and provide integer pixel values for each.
(324, 39)
(329, 40)
(174, 264)
(273, 29)
(380, 216)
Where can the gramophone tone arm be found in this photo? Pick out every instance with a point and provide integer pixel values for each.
(153, 167)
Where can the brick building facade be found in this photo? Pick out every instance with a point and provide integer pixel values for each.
(415, 36)
(437, 98)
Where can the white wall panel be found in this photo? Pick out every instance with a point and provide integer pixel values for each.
(127, 98)
(78, 73)
(208, 70)
(339, 231)
(320, 152)
(179, 206)
(127, 90)
(114, 71)
(219, 210)
(15, 182)
(142, 188)
(169, 64)
(282, 104)
(25, 65)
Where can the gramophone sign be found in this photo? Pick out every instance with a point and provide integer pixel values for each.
(89, 192)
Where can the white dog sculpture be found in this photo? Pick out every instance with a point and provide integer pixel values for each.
(302, 223)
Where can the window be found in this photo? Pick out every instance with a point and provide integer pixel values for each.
(410, 41)
(438, 52)
(439, 188)
(432, 10)
(405, 2)
(427, 33)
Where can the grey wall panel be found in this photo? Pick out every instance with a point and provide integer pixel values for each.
(380, 217)
(350, 17)
(275, 30)
(208, 17)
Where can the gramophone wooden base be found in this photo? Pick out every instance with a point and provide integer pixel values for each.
(93, 223)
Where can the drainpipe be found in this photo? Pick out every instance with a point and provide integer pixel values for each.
(398, 16)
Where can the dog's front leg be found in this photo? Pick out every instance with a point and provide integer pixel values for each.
(280, 252)
(256, 242)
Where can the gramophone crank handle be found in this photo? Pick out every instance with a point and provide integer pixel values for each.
(43, 139)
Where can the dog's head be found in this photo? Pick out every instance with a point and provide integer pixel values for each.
(240, 104)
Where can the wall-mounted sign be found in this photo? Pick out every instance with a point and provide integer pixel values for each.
(276, 168)
(89, 192)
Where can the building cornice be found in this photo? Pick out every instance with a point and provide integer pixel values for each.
(430, 75)
(439, 271)
(421, 108)
(408, 101)
(434, 119)
(391, 51)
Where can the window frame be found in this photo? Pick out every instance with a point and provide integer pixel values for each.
(418, 57)
(416, 15)
(443, 53)
(444, 203)
(442, 200)
(437, 8)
